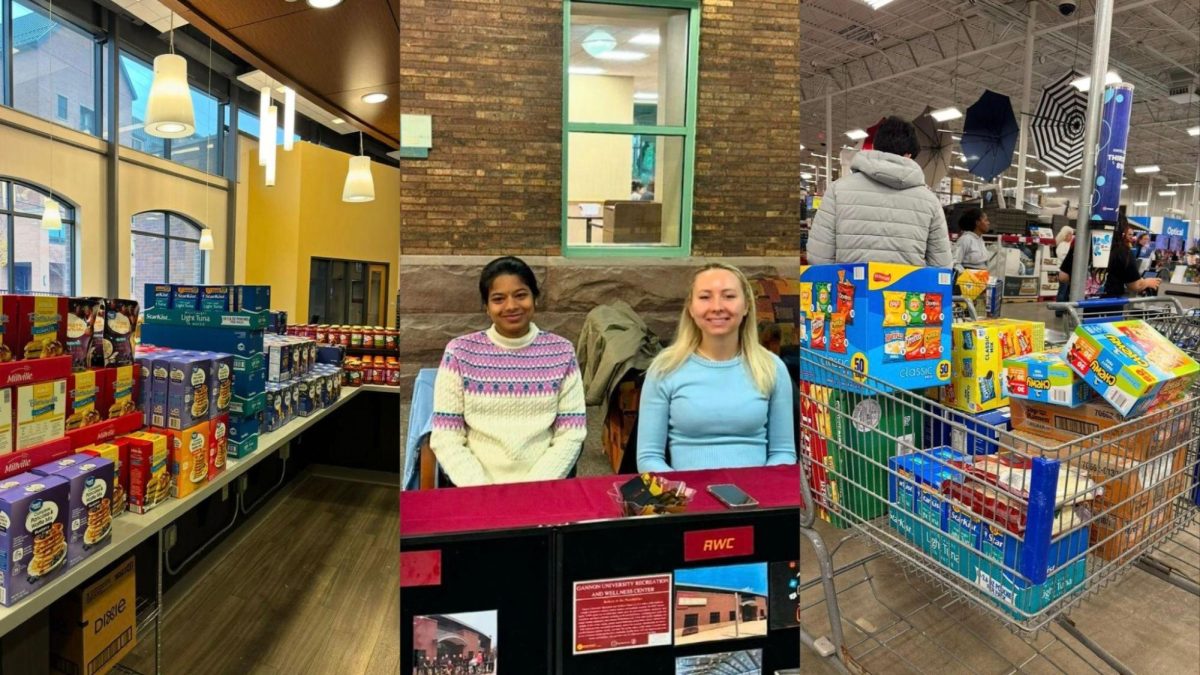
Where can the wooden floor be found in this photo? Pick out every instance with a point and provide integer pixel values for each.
(309, 588)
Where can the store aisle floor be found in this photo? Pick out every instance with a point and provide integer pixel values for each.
(309, 587)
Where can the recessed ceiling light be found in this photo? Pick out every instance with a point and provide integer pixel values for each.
(337, 120)
(876, 4)
(1194, 131)
(645, 96)
(585, 70)
(1053, 174)
(806, 176)
(645, 39)
(1167, 193)
(324, 4)
(1049, 190)
(946, 114)
(1085, 83)
(375, 97)
(618, 55)
(1151, 168)
(1141, 203)
(856, 134)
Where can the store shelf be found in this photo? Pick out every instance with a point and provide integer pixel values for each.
(373, 351)
(132, 529)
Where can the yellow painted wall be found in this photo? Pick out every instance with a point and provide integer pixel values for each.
(303, 217)
(79, 175)
(599, 165)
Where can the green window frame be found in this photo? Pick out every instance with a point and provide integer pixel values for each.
(686, 131)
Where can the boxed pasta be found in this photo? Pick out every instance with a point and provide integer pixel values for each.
(1131, 365)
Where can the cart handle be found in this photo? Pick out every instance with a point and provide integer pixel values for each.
(1073, 308)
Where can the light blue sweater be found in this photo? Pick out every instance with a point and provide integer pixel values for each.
(712, 417)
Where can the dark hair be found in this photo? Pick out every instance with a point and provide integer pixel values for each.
(969, 220)
(897, 136)
(637, 185)
(506, 265)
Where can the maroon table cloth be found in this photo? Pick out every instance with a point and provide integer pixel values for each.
(562, 502)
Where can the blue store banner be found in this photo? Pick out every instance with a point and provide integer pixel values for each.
(1110, 157)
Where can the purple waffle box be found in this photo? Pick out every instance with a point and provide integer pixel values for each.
(33, 531)
(188, 401)
(89, 502)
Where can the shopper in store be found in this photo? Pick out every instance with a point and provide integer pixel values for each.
(508, 401)
(636, 191)
(1124, 273)
(882, 211)
(970, 251)
(716, 398)
(1142, 249)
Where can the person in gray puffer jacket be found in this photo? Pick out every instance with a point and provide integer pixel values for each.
(882, 211)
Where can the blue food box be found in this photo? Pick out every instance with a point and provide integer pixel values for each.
(239, 449)
(1044, 377)
(242, 428)
(185, 297)
(158, 296)
(249, 383)
(216, 299)
(969, 434)
(1010, 591)
(252, 298)
(89, 501)
(237, 342)
(880, 320)
(914, 485)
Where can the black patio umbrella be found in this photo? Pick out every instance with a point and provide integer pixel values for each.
(937, 148)
(1059, 123)
(990, 135)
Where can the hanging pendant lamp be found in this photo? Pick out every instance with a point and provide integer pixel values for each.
(289, 117)
(169, 112)
(272, 125)
(206, 240)
(360, 186)
(51, 215)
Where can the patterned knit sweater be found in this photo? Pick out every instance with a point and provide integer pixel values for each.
(508, 411)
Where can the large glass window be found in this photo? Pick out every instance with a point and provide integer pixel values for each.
(165, 249)
(35, 260)
(629, 127)
(54, 68)
(200, 151)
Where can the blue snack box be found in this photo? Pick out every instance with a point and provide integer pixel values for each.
(252, 298)
(916, 488)
(981, 433)
(886, 321)
(1044, 377)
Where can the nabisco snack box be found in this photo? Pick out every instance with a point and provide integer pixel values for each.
(149, 480)
(1131, 365)
(41, 413)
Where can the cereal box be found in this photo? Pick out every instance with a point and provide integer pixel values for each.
(41, 412)
(188, 401)
(89, 502)
(85, 331)
(883, 321)
(120, 323)
(187, 458)
(116, 452)
(85, 399)
(149, 479)
(33, 536)
(218, 444)
(1044, 377)
(42, 326)
(216, 299)
(1130, 364)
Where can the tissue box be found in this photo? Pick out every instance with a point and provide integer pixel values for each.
(844, 306)
(1044, 377)
(1130, 364)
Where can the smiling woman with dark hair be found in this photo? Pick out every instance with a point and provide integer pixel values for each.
(508, 402)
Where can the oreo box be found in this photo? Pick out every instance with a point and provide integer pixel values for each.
(846, 306)
(187, 394)
(33, 536)
(89, 502)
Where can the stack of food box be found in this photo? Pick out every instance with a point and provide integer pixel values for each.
(302, 396)
(978, 356)
(226, 319)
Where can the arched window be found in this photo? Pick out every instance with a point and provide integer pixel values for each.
(34, 260)
(165, 249)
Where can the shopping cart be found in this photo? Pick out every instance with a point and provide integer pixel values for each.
(1010, 528)
(1178, 560)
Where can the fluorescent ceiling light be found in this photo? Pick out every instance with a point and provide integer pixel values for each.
(374, 97)
(1141, 203)
(955, 137)
(1167, 193)
(1194, 131)
(324, 4)
(946, 114)
(1049, 190)
(1179, 184)
(806, 176)
(1030, 169)
(645, 39)
(585, 70)
(599, 42)
(876, 4)
(1085, 83)
(1151, 168)
(618, 55)
(856, 134)
(645, 96)
(1053, 174)
(337, 120)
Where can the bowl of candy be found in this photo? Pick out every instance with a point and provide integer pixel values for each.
(648, 495)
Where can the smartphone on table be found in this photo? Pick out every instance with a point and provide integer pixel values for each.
(732, 496)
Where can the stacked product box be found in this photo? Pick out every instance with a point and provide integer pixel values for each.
(843, 308)
(1131, 365)
(226, 319)
(1044, 377)
(979, 349)
(978, 434)
(289, 357)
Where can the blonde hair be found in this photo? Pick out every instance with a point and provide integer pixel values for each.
(756, 358)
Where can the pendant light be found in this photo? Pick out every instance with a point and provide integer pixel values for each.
(360, 186)
(51, 213)
(206, 238)
(264, 135)
(289, 117)
(272, 125)
(169, 112)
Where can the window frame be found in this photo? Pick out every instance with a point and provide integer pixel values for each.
(167, 237)
(70, 222)
(686, 131)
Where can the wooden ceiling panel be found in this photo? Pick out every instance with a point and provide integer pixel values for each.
(331, 56)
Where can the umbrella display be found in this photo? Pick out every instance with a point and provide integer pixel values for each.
(989, 135)
(937, 148)
(1059, 123)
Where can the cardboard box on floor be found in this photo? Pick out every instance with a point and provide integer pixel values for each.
(1151, 435)
(93, 628)
(1136, 502)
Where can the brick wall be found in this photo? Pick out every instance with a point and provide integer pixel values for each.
(490, 74)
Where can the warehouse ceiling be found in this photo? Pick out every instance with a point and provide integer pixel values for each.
(912, 53)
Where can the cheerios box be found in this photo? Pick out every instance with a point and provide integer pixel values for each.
(880, 320)
(1044, 377)
(1131, 365)
(33, 539)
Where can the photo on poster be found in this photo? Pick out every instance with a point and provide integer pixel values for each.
(785, 594)
(452, 643)
(744, 662)
(624, 613)
(720, 603)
